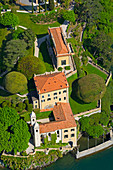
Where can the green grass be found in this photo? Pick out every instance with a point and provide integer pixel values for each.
(93, 70)
(76, 105)
(39, 115)
(37, 28)
(57, 145)
(73, 43)
(44, 56)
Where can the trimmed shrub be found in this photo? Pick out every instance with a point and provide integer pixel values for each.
(60, 68)
(67, 67)
(90, 88)
(30, 65)
(15, 82)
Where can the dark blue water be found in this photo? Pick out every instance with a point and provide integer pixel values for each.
(100, 161)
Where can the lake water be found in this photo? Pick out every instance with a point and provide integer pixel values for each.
(100, 161)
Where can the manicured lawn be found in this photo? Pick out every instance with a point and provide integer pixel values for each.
(37, 28)
(44, 56)
(93, 70)
(39, 115)
(76, 105)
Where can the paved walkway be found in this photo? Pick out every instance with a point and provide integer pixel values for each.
(30, 149)
(2, 74)
(22, 27)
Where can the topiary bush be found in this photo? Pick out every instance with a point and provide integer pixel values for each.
(90, 88)
(60, 68)
(30, 65)
(15, 82)
(67, 67)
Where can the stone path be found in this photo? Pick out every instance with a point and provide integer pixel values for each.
(30, 149)
(22, 27)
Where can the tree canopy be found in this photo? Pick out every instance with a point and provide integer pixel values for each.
(69, 15)
(28, 36)
(20, 136)
(93, 125)
(30, 65)
(14, 133)
(9, 19)
(14, 50)
(15, 82)
(90, 88)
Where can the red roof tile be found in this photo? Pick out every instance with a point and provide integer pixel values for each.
(63, 119)
(50, 82)
(61, 47)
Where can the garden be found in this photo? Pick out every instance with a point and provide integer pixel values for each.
(45, 57)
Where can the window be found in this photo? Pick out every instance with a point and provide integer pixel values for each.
(55, 93)
(48, 95)
(64, 91)
(57, 131)
(35, 101)
(35, 106)
(65, 136)
(36, 130)
(72, 135)
(63, 62)
(72, 129)
(65, 131)
(55, 97)
(64, 98)
(48, 99)
(33, 120)
(59, 92)
(42, 96)
(59, 99)
(43, 100)
(49, 134)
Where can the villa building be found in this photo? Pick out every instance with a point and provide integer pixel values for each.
(51, 88)
(64, 126)
(35, 2)
(61, 48)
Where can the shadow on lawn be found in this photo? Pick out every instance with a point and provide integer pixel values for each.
(73, 93)
(41, 35)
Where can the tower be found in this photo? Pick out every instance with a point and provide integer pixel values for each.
(33, 118)
(36, 135)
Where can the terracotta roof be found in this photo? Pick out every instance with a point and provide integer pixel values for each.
(63, 119)
(61, 47)
(50, 82)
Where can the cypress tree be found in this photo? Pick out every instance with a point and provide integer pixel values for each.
(51, 5)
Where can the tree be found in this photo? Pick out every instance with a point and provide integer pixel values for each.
(20, 136)
(51, 5)
(15, 82)
(90, 88)
(8, 116)
(104, 119)
(69, 16)
(4, 139)
(14, 50)
(14, 133)
(28, 36)
(9, 19)
(95, 131)
(30, 65)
